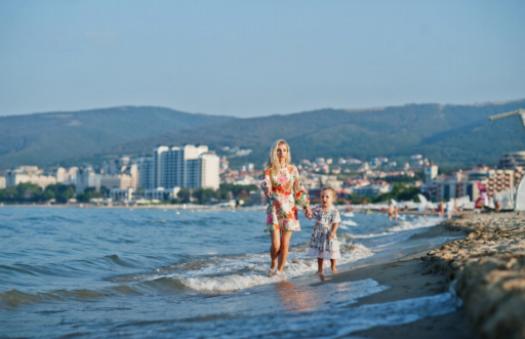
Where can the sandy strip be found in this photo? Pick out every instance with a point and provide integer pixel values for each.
(410, 277)
(489, 267)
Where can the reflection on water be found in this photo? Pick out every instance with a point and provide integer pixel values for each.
(297, 298)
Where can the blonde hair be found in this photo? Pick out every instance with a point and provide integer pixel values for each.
(332, 192)
(274, 160)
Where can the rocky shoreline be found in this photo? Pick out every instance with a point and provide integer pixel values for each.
(488, 271)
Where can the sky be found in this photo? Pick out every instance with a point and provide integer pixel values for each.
(254, 58)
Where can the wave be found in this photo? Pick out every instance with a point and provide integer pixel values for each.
(226, 274)
(14, 297)
(115, 259)
(66, 269)
(402, 226)
(349, 222)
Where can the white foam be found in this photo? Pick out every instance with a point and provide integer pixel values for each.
(401, 226)
(237, 273)
(349, 222)
(419, 222)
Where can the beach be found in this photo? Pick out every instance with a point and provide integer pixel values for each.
(488, 271)
(410, 277)
(138, 272)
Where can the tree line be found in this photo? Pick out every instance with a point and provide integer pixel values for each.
(61, 194)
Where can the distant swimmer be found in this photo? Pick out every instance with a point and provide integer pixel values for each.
(393, 210)
(441, 209)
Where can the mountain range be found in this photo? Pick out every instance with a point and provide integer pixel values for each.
(451, 135)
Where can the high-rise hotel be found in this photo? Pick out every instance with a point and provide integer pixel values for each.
(184, 167)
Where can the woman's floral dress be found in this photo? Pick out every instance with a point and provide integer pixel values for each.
(285, 194)
(320, 244)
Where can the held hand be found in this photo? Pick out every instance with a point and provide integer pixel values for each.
(308, 212)
(331, 236)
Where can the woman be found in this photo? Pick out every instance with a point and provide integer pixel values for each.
(283, 189)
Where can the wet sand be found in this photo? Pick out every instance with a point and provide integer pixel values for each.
(408, 276)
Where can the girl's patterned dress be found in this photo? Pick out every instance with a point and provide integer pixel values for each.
(286, 193)
(320, 246)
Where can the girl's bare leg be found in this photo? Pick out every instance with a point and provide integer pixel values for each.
(320, 268)
(275, 248)
(285, 243)
(333, 265)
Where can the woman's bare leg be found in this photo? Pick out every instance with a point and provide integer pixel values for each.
(275, 247)
(285, 243)
(320, 265)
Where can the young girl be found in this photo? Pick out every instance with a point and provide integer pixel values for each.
(324, 244)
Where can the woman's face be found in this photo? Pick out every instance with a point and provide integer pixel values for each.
(282, 152)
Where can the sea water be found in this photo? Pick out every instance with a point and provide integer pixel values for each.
(105, 272)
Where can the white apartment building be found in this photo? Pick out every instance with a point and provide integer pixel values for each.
(66, 176)
(28, 174)
(86, 177)
(2, 182)
(186, 167)
(210, 165)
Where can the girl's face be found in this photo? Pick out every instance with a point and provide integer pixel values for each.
(282, 152)
(326, 198)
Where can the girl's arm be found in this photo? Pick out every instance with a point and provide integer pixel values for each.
(336, 220)
(333, 232)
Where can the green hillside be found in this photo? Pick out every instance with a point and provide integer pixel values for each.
(452, 135)
(71, 137)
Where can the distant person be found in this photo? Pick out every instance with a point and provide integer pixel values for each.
(497, 205)
(323, 243)
(441, 209)
(393, 210)
(284, 192)
(450, 209)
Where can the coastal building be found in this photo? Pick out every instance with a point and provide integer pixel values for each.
(124, 195)
(444, 188)
(472, 183)
(2, 182)
(145, 173)
(87, 178)
(503, 180)
(188, 166)
(430, 172)
(66, 176)
(210, 164)
(110, 181)
(28, 174)
(161, 194)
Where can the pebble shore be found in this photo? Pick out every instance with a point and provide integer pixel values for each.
(488, 271)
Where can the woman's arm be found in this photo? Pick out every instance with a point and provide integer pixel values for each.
(301, 194)
(266, 184)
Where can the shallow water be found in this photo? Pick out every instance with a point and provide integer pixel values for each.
(154, 272)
